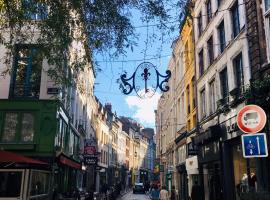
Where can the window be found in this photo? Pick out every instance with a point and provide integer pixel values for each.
(222, 40)
(267, 5)
(18, 127)
(235, 19)
(210, 49)
(238, 72)
(27, 131)
(219, 2)
(199, 23)
(194, 92)
(71, 143)
(10, 184)
(212, 95)
(201, 63)
(209, 11)
(26, 73)
(10, 126)
(188, 100)
(35, 10)
(187, 55)
(203, 104)
(188, 125)
(224, 84)
(39, 183)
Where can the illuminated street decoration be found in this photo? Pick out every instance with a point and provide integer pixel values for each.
(145, 81)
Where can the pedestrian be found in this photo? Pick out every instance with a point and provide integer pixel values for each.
(104, 189)
(196, 192)
(173, 193)
(164, 194)
(155, 193)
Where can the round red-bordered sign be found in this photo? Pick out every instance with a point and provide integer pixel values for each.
(251, 119)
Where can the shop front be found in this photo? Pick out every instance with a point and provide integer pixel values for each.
(244, 178)
(23, 178)
(209, 162)
(183, 182)
(192, 172)
(68, 177)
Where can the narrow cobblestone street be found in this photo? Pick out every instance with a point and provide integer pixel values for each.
(131, 196)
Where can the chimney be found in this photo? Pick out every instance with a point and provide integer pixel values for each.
(108, 107)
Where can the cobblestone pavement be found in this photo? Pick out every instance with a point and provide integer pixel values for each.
(131, 196)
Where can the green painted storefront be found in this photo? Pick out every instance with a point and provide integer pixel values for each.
(34, 128)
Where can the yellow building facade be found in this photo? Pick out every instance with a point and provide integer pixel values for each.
(189, 74)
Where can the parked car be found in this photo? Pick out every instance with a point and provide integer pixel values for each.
(138, 188)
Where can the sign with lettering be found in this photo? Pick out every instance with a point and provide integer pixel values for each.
(91, 160)
(90, 147)
(192, 149)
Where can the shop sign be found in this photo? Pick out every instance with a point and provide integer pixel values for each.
(192, 163)
(90, 160)
(90, 147)
(156, 166)
(251, 119)
(254, 145)
(192, 149)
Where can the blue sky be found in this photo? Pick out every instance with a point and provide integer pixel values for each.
(106, 87)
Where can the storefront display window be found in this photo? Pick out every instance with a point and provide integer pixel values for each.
(39, 183)
(10, 183)
(244, 173)
(212, 182)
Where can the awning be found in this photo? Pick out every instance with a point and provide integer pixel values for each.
(67, 161)
(10, 157)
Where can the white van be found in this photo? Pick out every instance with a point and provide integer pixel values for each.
(24, 184)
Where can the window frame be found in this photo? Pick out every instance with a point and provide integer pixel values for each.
(221, 73)
(203, 103)
(267, 6)
(39, 10)
(22, 181)
(210, 50)
(222, 43)
(238, 65)
(30, 183)
(201, 62)
(212, 96)
(200, 24)
(27, 85)
(235, 24)
(209, 13)
(18, 129)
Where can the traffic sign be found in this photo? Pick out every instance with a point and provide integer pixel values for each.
(254, 145)
(251, 119)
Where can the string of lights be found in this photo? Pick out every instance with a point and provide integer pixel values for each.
(181, 55)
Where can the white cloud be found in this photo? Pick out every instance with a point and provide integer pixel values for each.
(144, 108)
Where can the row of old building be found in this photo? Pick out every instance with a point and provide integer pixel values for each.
(219, 63)
(56, 137)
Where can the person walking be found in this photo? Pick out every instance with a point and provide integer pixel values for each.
(173, 193)
(196, 192)
(164, 194)
(155, 193)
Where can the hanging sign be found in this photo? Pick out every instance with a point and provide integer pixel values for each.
(145, 81)
(251, 119)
